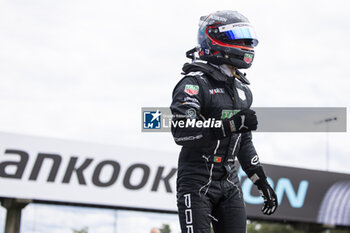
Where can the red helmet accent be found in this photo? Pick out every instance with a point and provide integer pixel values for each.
(214, 41)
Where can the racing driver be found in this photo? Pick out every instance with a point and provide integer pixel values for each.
(213, 88)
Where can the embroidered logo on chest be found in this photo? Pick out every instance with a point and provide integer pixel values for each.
(216, 91)
(241, 94)
(226, 114)
(191, 89)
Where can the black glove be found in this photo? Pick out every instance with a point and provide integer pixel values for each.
(270, 198)
(243, 121)
(258, 177)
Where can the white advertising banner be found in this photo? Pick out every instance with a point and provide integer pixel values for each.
(55, 170)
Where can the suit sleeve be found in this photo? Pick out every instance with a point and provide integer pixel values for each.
(187, 104)
(247, 155)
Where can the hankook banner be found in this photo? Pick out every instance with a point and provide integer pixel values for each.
(74, 172)
(53, 170)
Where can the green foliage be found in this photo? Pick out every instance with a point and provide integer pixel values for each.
(338, 231)
(257, 227)
(264, 227)
(165, 228)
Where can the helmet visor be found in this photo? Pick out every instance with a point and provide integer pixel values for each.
(237, 31)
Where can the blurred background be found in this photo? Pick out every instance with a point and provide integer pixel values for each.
(82, 70)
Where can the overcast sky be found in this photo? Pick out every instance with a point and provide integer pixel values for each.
(82, 70)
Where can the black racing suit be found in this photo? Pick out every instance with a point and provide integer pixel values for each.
(208, 189)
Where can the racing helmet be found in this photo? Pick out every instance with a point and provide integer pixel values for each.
(226, 37)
